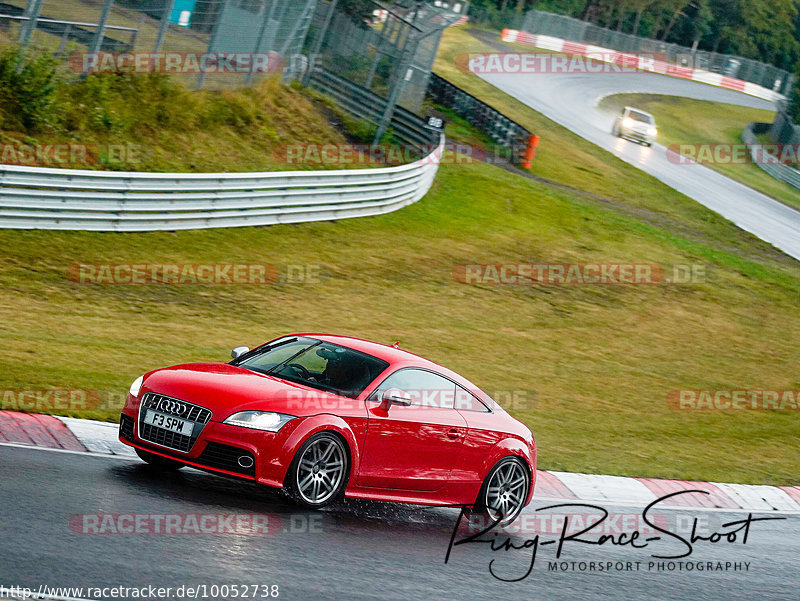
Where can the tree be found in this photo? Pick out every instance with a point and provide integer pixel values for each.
(639, 6)
(793, 108)
(360, 9)
(769, 30)
(675, 9)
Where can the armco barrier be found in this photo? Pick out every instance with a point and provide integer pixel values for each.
(34, 198)
(483, 117)
(66, 199)
(764, 159)
(638, 61)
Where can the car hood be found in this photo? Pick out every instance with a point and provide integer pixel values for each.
(226, 389)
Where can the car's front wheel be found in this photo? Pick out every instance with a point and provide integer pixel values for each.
(319, 471)
(504, 491)
(158, 462)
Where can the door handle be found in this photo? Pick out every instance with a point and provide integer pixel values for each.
(453, 433)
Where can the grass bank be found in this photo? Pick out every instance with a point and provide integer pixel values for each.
(588, 368)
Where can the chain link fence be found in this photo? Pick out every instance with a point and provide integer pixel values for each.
(194, 32)
(575, 30)
(391, 55)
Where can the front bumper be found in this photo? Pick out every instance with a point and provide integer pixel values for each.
(220, 448)
(636, 135)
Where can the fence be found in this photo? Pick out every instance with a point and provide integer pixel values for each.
(361, 103)
(767, 161)
(390, 54)
(393, 58)
(498, 127)
(782, 130)
(575, 30)
(394, 62)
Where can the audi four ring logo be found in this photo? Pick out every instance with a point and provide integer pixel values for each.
(173, 407)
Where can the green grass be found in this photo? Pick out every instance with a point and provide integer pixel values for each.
(166, 126)
(591, 365)
(594, 364)
(686, 121)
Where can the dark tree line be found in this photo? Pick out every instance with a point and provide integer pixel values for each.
(765, 30)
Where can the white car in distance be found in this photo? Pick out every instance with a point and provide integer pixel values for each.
(635, 125)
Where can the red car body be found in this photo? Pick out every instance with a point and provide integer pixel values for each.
(415, 454)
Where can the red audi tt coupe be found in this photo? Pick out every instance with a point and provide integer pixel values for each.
(323, 416)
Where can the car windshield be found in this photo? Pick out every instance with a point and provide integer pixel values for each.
(321, 365)
(637, 116)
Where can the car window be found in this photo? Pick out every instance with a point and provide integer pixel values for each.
(643, 117)
(466, 401)
(318, 364)
(275, 353)
(425, 388)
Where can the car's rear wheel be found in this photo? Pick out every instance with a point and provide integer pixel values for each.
(504, 491)
(158, 462)
(319, 471)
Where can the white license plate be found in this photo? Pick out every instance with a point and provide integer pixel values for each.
(168, 422)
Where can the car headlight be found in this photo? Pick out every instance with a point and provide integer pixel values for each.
(652, 131)
(627, 122)
(259, 420)
(136, 387)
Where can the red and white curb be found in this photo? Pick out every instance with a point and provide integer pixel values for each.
(100, 438)
(640, 62)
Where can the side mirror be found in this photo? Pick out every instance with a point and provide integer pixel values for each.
(239, 351)
(395, 396)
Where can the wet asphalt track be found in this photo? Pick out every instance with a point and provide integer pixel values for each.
(569, 99)
(359, 550)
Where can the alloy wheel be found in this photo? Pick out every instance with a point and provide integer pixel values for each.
(506, 491)
(320, 470)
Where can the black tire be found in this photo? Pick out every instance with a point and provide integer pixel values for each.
(304, 466)
(157, 462)
(481, 506)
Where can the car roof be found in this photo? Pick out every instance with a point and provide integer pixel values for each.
(376, 349)
(394, 356)
(633, 108)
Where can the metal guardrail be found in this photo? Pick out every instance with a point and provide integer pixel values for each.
(366, 104)
(67, 199)
(483, 117)
(766, 160)
(35, 198)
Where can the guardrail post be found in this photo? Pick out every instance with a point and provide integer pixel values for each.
(100, 32)
(201, 79)
(269, 16)
(26, 30)
(317, 48)
(162, 29)
(64, 39)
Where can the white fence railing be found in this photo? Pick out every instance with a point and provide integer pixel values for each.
(37, 198)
